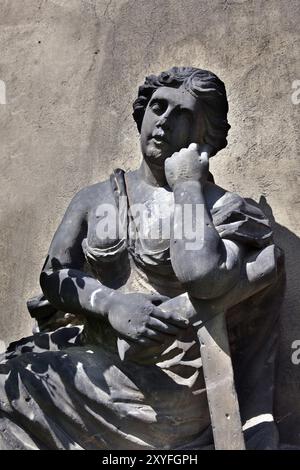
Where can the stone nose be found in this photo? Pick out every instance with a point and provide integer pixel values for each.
(163, 122)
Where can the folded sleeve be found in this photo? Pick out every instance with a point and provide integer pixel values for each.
(241, 220)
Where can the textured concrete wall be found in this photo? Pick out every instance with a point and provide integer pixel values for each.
(71, 70)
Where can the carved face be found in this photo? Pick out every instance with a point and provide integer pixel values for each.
(172, 120)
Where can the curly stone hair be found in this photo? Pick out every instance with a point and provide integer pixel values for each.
(202, 84)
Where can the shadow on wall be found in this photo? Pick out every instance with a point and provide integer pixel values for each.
(287, 393)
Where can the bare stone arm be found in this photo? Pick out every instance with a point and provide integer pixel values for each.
(258, 271)
(71, 290)
(212, 267)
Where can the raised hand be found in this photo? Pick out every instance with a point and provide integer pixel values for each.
(189, 164)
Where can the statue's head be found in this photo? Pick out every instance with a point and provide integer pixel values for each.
(178, 107)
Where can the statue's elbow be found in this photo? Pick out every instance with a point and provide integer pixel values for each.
(212, 284)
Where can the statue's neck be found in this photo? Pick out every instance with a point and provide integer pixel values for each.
(152, 174)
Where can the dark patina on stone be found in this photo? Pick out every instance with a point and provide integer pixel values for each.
(153, 342)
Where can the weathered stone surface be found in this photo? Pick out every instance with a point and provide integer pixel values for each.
(71, 70)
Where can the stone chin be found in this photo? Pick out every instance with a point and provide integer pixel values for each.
(156, 154)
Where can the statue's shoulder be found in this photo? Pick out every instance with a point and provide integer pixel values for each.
(238, 218)
(94, 194)
(219, 198)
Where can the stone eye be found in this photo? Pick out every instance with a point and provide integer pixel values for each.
(158, 107)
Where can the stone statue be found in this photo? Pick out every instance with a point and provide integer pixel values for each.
(115, 361)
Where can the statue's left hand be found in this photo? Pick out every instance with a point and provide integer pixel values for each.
(189, 164)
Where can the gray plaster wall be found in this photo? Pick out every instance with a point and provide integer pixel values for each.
(71, 70)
